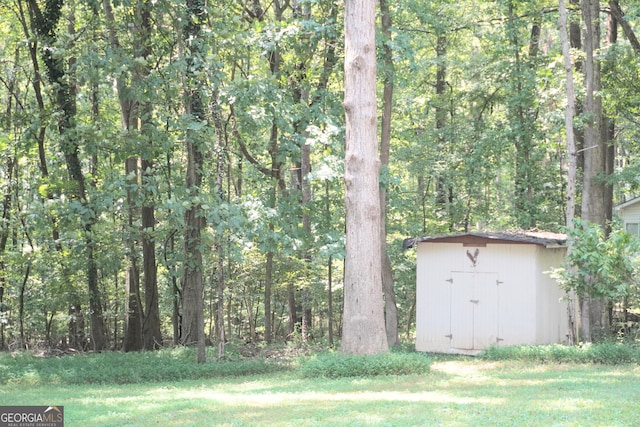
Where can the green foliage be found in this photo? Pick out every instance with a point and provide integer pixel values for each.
(272, 84)
(338, 365)
(602, 353)
(124, 368)
(599, 265)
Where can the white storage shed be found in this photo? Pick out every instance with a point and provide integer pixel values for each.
(476, 290)
(629, 213)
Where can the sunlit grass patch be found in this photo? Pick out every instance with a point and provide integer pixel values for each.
(455, 392)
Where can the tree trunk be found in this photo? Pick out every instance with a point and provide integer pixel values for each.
(170, 248)
(65, 101)
(390, 307)
(593, 188)
(569, 114)
(132, 339)
(363, 329)
(575, 41)
(329, 268)
(443, 202)
(7, 201)
(23, 288)
(129, 115)
(522, 115)
(192, 276)
(192, 280)
(616, 12)
(151, 324)
(268, 283)
(609, 135)
(220, 277)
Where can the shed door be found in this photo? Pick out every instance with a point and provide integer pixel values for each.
(474, 310)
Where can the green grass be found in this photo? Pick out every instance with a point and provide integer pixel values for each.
(125, 368)
(455, 391)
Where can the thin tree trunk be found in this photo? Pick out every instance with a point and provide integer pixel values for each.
(569, 114)
(616, 12)
(609, 134)
(7, 200)
(329, 268)
(575, 41)
(443, 202)
(23, 288)
(151, 324)
(521, 105)
(170, 248)
(268, 284)
(220, 277)
(390, 307)
(132, 339)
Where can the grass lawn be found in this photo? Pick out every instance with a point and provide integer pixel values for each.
(457, 392)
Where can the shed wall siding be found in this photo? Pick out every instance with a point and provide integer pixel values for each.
(552, 315)
(524, 292)
(630, 214)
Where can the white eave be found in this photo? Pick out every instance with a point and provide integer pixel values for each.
(627, 204)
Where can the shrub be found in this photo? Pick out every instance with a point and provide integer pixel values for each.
(338, 365)
(603, 353)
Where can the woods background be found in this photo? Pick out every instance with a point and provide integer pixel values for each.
(163, 159)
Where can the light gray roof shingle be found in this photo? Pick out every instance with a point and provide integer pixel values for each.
(543, 238)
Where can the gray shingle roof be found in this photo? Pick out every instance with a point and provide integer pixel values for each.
(543, 238)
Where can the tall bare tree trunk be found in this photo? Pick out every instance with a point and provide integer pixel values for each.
(151, 333)
(575, 43)
(192, 276)
(390, 307)
(132, 339)
(569, 114)
(609, 133)
(443, 186)
(593, 188)
(363, 329)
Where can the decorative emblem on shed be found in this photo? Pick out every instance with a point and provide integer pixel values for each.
(473, 257)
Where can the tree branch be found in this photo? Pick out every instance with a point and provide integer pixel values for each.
(617, 13)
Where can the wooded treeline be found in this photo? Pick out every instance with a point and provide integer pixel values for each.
(157, 151)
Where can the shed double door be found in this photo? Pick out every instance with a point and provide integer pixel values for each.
(474, 310)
